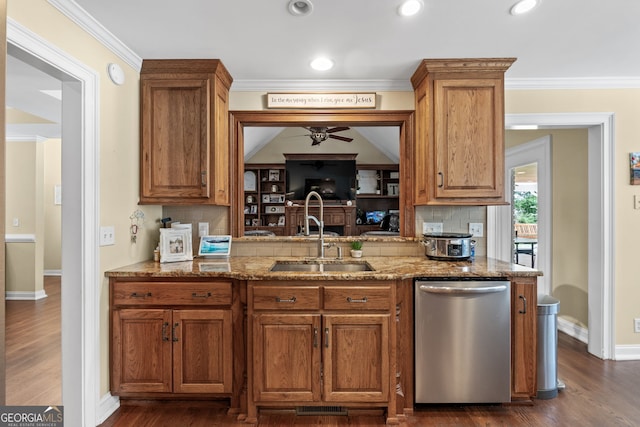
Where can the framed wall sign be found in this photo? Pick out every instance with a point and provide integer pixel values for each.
(321, 100)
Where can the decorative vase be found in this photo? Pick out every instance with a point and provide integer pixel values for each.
(356, 253)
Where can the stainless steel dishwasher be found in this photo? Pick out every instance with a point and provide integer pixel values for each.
(462, 341)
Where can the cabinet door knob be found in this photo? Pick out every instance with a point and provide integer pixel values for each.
(197, 295)
(326, 337)
(174, 336)
(524, 304)
(203, 176)
(290, 300)
(141, 295)
(441, 176)
(362, 300)
(165, 337)
(315, 337)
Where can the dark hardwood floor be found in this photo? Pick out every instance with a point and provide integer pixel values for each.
(598, 393)
(33, 349)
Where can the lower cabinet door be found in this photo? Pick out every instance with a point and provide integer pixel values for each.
(356, 358)
(202, 351)
(523, 339)
(286, 357)
(141, 350)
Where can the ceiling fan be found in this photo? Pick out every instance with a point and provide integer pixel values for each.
(320, 134)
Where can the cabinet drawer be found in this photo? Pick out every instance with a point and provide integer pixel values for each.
(176, 293)
(286, 297)
(357, 298)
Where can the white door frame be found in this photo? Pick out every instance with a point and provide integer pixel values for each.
(536, 151)
(601, 287)
(80, 297)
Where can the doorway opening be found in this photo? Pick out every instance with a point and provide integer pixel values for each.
(600, 205)
(80, 171)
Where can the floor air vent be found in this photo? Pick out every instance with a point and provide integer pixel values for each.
(321, 410)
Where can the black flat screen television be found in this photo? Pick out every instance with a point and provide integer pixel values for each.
(332, 179)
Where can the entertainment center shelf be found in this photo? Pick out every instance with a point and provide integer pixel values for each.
(264, 196)
(373, 188)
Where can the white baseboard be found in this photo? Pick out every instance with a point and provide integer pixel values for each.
(24, 295)
(622, 352)
(627, 352)
(52, 273)
(573, 330)
(107, 406)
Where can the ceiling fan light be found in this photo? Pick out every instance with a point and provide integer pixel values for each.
(300, 7)
(523, 6)
(410, 7)
(322, 64)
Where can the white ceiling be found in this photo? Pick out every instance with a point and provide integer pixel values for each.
(562, 43)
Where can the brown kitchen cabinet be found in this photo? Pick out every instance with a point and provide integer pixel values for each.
(171, 338)
(459, 146)
(184, 148)
(523, 338)
(321, 344)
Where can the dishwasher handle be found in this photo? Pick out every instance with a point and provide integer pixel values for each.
(440, 289)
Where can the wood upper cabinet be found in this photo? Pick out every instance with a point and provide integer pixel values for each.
(171, 338)
(459, 146)
(523, 338)
(184, 150)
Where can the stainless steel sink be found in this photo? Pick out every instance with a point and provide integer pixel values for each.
(321, 266)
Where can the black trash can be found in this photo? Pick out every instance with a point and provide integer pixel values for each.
(548, 307)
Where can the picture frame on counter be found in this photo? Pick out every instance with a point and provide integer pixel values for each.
(175, 245)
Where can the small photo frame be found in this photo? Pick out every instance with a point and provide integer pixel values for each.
(274, 175)
(281, 221)
(393, 189)
(253, 209)
(255, 222)
(215, 246)
(634, 160)
(175, 245)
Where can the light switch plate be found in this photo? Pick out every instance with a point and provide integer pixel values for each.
(636, 202)
(107, 235)
(431, 227)
(476, 229)
(203, 229)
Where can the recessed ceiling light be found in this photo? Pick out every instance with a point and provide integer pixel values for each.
(523, 6)
(410, 7)
(322, 64)
(300, 7)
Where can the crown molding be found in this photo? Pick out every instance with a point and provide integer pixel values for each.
(87, 22)
(573, 83)
(84, 20)
(321, 85)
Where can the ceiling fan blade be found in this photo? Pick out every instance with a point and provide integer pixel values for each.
(341, 138)
(337, 129)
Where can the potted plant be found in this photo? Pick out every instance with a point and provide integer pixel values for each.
(356, 249)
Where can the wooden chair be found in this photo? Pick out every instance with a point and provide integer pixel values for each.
(526, 231)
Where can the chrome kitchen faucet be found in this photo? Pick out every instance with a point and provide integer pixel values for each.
(320, 223)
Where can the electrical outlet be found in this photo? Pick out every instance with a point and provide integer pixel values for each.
(203, 229)
(431, 227)
(636, 201)
(107, 235)
(636, 325)
(16, 222)
(476, 229)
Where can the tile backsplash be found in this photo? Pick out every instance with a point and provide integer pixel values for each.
(454, 219)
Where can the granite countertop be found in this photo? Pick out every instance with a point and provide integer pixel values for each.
(385, 268)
